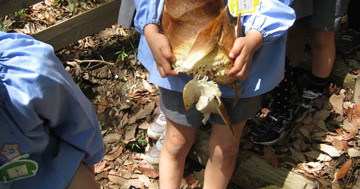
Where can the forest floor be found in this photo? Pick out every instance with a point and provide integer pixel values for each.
(323, 146)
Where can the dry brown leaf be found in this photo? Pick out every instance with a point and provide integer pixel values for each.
(305, 132)
(144, 125)
(145, 181)
(190, 179)
(336, 102)
(146, 110)
(147, 86)
(324, 184)
(117, 153)
(102, 105)
(143, 100)
(116, 179)
(339, 131)
(349, 126)
(352, 152)
(270, 156)
(330, 150)
(130, 132)
(322, 115)
(338, 144)
(148, 170)
(298, 156)
(99, 167)
(351, 135)
(354, 115)
(309, 175)
(336, 184)
(111, 138)
(345, 167)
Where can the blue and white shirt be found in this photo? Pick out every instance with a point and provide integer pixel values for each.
(45, 119)
(272, 20)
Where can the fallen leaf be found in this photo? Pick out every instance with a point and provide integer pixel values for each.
(323, 158)
(350, 126)
(336, 102)
(116, 179)
(323, 183)
(111, 138)
(298, 156)
(308, 120)
(102, 105)
(147, 85)
(148, 170)
(352, 152)
(330, 150)
(321, 124)
(114, 155)
(144, 180)
(321, 115)
(146, 110)
(305, 132)
(130, 132)
(345, 167)
(190, 179)
(338, 144)
(99, 167)
(144, 125)
(336, 184)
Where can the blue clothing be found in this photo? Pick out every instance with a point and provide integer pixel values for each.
(44, 113)
(272, 20)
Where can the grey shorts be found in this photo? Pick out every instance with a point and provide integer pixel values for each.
(172, 105)
(320, 14)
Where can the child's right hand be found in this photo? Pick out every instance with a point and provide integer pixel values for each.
(161, 50)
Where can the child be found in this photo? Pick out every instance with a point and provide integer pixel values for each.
(317, 20)
(350, 40)
(259, 66)
(49, 134)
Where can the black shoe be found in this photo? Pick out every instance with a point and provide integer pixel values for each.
(270, 129)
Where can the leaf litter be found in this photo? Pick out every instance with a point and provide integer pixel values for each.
(323, 147)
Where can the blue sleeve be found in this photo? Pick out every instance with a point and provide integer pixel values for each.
(44, 92)
(272, 20)
(147, 12)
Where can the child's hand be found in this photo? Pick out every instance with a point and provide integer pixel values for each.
(242, 53)
(161, 50)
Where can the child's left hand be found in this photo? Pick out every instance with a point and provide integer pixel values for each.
(242, 53)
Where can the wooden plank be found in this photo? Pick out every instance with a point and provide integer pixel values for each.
(126, 13)
(11, 6)
(88, 23)
(251, 171)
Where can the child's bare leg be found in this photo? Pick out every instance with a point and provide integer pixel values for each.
(295, 44)
(83, 178)
(223, 152)
(177, 143)
(323, 52)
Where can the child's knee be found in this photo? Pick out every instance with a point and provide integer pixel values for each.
(178, 146)
(226, 150)
(322, 38)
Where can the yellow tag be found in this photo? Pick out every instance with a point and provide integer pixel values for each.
(242, 7)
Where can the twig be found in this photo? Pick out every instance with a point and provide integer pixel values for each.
(94, 61)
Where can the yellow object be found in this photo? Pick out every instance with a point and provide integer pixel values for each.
(242, 7)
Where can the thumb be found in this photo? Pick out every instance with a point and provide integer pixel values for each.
(167, 53)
